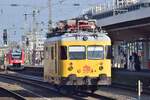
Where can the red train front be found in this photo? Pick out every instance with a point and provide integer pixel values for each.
(15, 59)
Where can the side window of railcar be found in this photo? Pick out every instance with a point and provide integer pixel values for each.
(108, 52)
(46, 53)
(63, 52)
(95, 52)
(52, 53)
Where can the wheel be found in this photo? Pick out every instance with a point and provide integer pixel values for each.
(93, 89)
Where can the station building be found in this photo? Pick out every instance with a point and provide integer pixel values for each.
(128, 27)
(125, 2)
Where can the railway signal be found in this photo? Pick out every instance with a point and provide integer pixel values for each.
(5, 36)
(27, 41)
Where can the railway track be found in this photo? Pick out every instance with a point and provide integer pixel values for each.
(34, 71)
(124, 92)
(116, 85)
(19, 90)
(38, 71)
(12, 94)
(87, 94)
(97, 96)
(80, 95)
(146, 90)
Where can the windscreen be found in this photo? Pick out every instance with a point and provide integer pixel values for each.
(95, 52)
(77, 52)
(16, 54)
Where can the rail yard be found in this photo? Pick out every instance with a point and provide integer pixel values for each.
(75, 50)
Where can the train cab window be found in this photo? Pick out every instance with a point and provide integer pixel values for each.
(108, 52)
(16, 54)
(95, 52)
(77, 52)
(63, 52)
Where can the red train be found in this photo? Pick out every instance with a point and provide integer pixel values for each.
(15, 59)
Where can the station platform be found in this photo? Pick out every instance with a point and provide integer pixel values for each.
(127, 77)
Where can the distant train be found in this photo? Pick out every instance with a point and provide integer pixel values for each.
(80, 59)
(15, 59)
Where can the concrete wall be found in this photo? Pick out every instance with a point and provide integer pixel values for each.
(130, 16)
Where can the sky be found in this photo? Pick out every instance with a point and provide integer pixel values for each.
(13, 19)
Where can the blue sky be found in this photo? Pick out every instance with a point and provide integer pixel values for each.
(12, 18)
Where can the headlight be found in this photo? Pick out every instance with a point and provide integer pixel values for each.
(85, 38)
(70, 68)
(79, 70)
(101, 67)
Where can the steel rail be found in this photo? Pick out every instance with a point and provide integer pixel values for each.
(146, 90)
(13, 94)
(39, 84)
(97, 96)
(49, 86)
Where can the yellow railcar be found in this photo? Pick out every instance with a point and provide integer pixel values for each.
(78, 59)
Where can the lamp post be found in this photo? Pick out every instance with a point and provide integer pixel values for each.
(50, 17)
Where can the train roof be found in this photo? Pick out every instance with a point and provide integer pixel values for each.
(80, 36)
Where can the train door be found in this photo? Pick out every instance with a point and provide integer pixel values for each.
(49, 60)
(46, 64)
(54, 59)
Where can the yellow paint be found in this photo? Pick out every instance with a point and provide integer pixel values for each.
(85, 43)
(77, 65)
